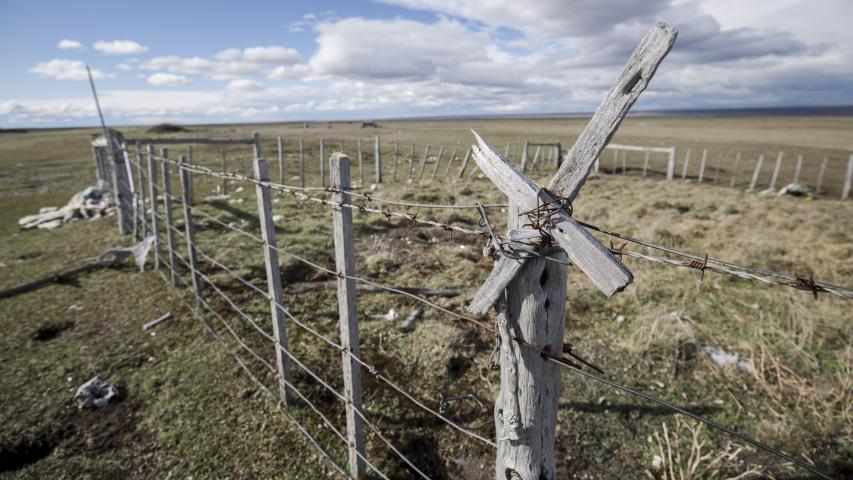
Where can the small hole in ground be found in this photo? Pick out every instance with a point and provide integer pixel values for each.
(51, 331)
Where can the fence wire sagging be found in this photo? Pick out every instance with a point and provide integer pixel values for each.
(206, 296)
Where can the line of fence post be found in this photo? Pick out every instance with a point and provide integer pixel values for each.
(702, 164)
(345, 266)
(776, 168)
(189, 229)
(170, 219)
(377, 148)
(758, 165)
(153, 191)
(273, 278)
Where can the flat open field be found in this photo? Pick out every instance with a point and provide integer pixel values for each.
(188, 410)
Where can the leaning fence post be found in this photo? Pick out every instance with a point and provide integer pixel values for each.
(734, 169)
(702, 164)
(280, 160)
(758, 165)
(437, 161)
(345, 265)
(423, 163)
(464, 163)
(820, 175)
(776, 171)
(536, 157)
(273, 278)
(152, 195)
(170, 222)
(686, 163)
(377, 159)
(449, 162)
(797, 168)
(189, 229)
(848, 179)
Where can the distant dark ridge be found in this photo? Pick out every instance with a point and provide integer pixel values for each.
(13, 130)
(167, 128)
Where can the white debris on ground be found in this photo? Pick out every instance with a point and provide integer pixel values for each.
(89, 204)
(795, 190)
(391, 316)
(95, 393)
(214, 198)
(723, 358)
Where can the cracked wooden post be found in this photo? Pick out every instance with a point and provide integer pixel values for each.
(377, 158)
(273, 278)
(189, 229)
(396, 160)
(776, 168)
(121, 183)
(345, 266)
(423, 163)
(820, 173)
(153, 191)
(758, 165)
(686, 163)
(449, 162)
(529, 294)
(170, 222)
(535, 157)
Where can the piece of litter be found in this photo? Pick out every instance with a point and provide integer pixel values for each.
(154, 323)
(391, 316)
(95, 393)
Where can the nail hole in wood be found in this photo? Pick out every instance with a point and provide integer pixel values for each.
(544, 278)
(629, 87)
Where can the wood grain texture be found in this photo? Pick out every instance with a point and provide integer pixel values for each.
(635, 77)
(348, 321)
(273, 278)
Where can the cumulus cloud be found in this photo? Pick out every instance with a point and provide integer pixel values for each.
(245, 85)
(231, 63)
(168, 80)
(59, 69)
(66, 44)
(119, 47)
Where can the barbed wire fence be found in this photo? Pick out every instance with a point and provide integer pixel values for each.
(230, 323)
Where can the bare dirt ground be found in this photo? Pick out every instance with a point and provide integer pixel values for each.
(187, 410)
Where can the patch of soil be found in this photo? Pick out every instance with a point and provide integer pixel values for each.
(293, 271)
(50, 331)
(28, 450)
(167, 128)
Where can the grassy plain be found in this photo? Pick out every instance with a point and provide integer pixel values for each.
(187, 410)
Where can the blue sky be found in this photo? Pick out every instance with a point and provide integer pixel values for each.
(268, 61)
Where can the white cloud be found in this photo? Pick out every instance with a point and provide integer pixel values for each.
(119, 47)
(245, 85)
(59, 69)
(271, 55)
(229, 64)
(66, 44)
(168, 80)
(124, 67)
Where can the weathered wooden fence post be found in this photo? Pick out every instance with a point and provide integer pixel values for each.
(449, 162)
(848, 178)
(224, 165)
(301, 163)
(717, 167)
(189, 159)
(646, 165)
(360, 165)
(524, 157)
(153, 191)
(270, 248)
(464, 163)
(377, 158)
(437, 161)
(322, 163)
(670, 164)
(797, 168)
(758, 165)
(776, 168)
(702, 164)
(559, 152)
(734, 169)
(535, 157)
(280, 159)
(686, 163)
(142, 194)
(122, 189)
(396, 160)
(345, 265)
(189, 230)
(170, 221)
(820, 173)
(423, 163)
(411, 161)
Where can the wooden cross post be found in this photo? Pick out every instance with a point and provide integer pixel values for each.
(529, 293)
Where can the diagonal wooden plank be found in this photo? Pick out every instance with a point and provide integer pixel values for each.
(502, 273)
(632, 81)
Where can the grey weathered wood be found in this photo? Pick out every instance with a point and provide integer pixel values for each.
(322, 162)
(121, 183)
(345, 266)
(189, 230)
(170, 222)
(503, 271)
(535, 157)
(396, 160)
(464, 163)
(301, 163)
(449, 162)
(702, 164)
(797, 168)
(558, 151)
(377, 158)
(820, 173)
(279, 148)
(360, 164)
(190, 184)
(758, 165)
(437, 161)
(524, 157)
(734, 169)
(224, 166)
(646, 163)
(423, 163)
(270, 248)
(153, 191)
(670, 164)
(776, 167)
(596, 261)
(638, 71)
(686, 163)
(141, 176)
(848, 178)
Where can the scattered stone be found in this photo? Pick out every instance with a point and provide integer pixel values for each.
(95, 393)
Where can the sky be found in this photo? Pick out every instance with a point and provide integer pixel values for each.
(262, 61)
